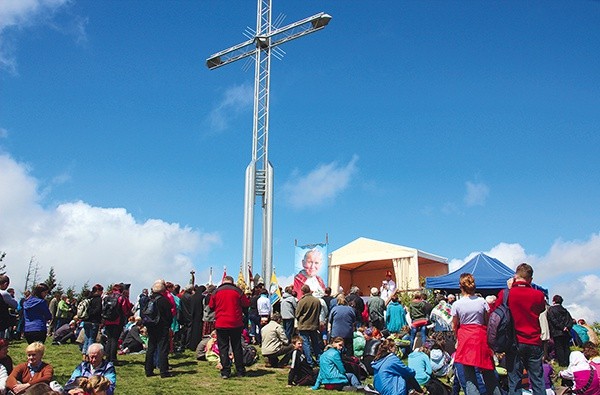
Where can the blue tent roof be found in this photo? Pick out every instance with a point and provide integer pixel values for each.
(489, 273)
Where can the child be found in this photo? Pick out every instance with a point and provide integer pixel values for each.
(548, 377)
(212, 349)
(358, 342)
(301, 373)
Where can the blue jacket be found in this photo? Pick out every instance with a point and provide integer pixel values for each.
(36, 314)
(395, 317)
(342, 319)
(421, 364)
(331, 369)
(106, 369)
(390, 375)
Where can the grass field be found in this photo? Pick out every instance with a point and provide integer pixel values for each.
(190, 376)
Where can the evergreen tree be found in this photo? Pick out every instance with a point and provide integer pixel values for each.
(51, 280)
(85, 288)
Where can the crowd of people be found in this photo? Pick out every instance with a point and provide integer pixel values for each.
(325, 341)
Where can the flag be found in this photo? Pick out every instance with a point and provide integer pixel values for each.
(274, 292)
(250, 279)
(224, 274)
(240, 282)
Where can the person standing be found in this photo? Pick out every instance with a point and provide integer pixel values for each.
(525, 304)
(307, 314)
(63, 311)
(469, 319)
(354, 299)
(185, 316)
(376, 307)
(53, 305)
(560, 322)
(37, 314)
(395, 317)
(7, 302)
(197, 310)
(91, 325)
(228, 302)
(288, 311)
(114, 321)
(158, 334)
(342, 320)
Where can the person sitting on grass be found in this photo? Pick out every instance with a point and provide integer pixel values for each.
(133, 341)
(211, 350)
(31, 372)
(584, 377)
(96, 366)
(95, 385)
(591, 353)
(419, 361)
(392, 376)
(332, 373)
(301, 373)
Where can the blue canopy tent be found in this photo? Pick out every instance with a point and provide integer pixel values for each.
(490, 276)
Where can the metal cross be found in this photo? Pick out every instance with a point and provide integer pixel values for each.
(259, 173)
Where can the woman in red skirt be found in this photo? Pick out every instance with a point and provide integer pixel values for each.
(469, 319)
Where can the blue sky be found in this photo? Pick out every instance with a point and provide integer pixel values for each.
(451, 127)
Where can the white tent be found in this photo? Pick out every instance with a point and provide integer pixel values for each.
(364, 263)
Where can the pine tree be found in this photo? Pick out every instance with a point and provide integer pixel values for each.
(70, 291)
(51, 280)
(85, 288)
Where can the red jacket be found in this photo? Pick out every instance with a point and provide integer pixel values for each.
(525, 304)
(227, 302)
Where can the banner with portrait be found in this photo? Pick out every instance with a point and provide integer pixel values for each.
(311, 268)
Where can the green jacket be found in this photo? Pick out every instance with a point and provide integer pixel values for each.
(307, 313)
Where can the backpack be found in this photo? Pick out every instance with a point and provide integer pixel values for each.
(110, 308)
(83, 309)
(4, 315)
(250, 356)
(150, 313)
(500, 329)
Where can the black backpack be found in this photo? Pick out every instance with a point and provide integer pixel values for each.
(250, 355)
(500, 329)
(110, 308)
(150, 313)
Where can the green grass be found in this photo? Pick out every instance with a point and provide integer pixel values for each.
(190, 376)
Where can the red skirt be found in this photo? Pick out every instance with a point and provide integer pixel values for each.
(473, 349)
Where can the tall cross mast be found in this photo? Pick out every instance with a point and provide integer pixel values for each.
(259, 173)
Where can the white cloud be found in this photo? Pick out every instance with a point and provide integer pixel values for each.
(235, 101)
(86, 243)
(321, 185)
(3, 133)
(476, 194)
(570, 268)
(284, 281)
(19, 14)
